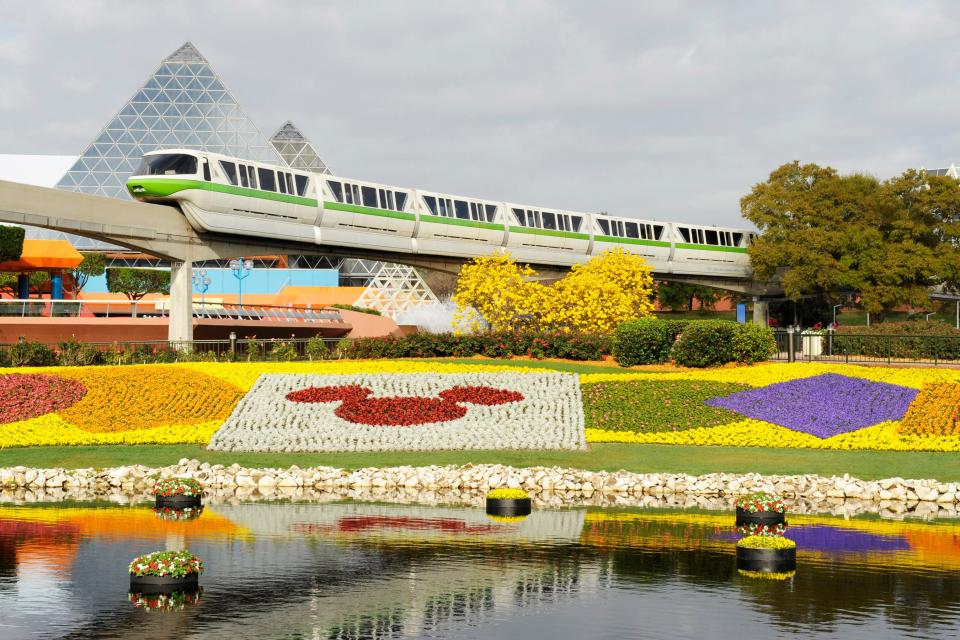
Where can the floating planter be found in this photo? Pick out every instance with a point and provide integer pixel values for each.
(760, 508)
(755, 529)
(176, 601)
(165, 572)
(766, 554)
(178, 493)
(766, 576)
(178, 515)
(509, 503)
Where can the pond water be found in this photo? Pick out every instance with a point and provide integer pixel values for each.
(361, 570)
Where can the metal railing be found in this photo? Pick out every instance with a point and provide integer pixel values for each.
(830, 346)
(35, 308)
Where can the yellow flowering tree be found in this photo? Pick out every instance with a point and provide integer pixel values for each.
(496, 289)
(593, 298)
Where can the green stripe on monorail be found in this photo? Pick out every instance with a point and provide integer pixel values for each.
(460, 222)
(161, 188)
(709, 247)
(646, 243)
(382, 213)
(550, 232)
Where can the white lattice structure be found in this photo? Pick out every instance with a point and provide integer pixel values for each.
(395, 289)
(296, 150)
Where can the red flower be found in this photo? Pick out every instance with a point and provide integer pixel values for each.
(357, 407)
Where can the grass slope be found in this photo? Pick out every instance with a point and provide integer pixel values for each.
(611, 457)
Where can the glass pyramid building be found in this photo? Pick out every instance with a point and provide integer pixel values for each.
(296, 150)
(182, 104)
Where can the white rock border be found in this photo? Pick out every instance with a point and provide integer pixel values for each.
(549, 487)
(550, 415)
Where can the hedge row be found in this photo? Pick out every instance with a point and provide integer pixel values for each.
(492, 345)
(693, 343)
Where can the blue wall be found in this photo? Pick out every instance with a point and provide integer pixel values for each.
(259, 280)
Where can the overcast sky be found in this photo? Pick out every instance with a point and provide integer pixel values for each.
(670, 110)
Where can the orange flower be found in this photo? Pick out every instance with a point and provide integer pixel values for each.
(934, 411)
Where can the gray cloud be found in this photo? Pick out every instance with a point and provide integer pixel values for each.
(666, 110)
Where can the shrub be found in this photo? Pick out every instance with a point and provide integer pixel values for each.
(31, 354)
(11, 243)
(704, 343)
(643, 341)
(753, 343)
(283, 351)
(316, 348)
(353, 307)
(77, 354)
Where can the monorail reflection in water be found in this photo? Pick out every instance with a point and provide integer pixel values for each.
(354, 570)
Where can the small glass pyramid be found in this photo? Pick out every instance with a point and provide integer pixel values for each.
(296, 150)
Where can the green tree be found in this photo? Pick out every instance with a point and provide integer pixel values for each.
(136, 283)
(94, 264)
(38, 280)
(837, 237)
(677, 296)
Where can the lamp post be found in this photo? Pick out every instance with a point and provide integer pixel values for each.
(835, 307)
(926, 318)
(202, 282)
(241, 268)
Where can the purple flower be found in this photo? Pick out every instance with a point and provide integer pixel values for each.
(823, 406)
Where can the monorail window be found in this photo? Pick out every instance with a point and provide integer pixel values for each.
(604, 226)
(633, 230)
(712, 237)
(168, 164)
(521, 216)
(290, 184)
(684, 233)
(301, 185)
(401, 200)
(242, 170)
(460, 208)
(549, 220)
(206, 170)
(369, 196)
(336, 189)
(281, 183)
(446, 207)
(737, 239)
(431, 204)
(253, 177)
(491, 212)
(576, 222)
(657, 231)
(267, 179)
(229, 170)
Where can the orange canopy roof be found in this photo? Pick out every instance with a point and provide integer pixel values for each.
(44, 255)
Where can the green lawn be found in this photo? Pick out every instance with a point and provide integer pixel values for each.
(633, 457)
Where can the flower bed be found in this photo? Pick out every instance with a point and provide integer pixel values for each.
(162, 564)
(170, 487)
(28, 395)
(406, 412)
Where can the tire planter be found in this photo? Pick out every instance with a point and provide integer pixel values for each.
(509, 506)
(767, 560)
(760, 517)
(178, 502)
(151, 585)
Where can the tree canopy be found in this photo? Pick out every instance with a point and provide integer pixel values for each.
(678, 296)
(94, 264)
(136, 283)
(840, 236)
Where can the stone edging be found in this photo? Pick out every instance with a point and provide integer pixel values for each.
(466, 484)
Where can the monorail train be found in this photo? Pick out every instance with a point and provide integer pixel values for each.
(230, 195)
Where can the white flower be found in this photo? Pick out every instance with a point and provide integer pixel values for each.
(549, 415)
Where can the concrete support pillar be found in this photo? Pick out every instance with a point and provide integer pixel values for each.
(23, 286)
(181, 301)
(56, 285)
(761, 312)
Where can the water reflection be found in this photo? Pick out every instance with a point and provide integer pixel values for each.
(360, 570)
